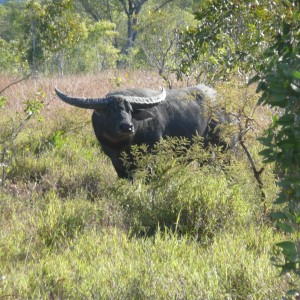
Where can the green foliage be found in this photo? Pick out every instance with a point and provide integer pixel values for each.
(12, 127)
(280, 84)
(11, 58)
(3, 100)
(162, 267)
(61, 221)
(158, 40)
(34, 106)
(185, 189)
(230, 37)
(52, 27)
(97, 51)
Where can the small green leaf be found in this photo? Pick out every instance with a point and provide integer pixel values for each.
(296, 74)
(276, 87)
(281, 199)
(279, 216)
(253, 79)
(261, 87)
(285, 227)
(288, 267)
(289, 250)
(266, 152)
(266, 140)
(286, 119)
(292, 292)
(286, 146)
(278, 100)
(3, 100)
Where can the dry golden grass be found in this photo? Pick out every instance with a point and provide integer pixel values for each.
(79, 85)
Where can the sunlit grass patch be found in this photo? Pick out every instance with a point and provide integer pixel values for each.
(107, 264)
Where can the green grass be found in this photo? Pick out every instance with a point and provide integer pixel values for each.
(70, 229)
(97, 263)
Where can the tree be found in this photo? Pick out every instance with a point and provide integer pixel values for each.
(11, 31)
(96, 52)
(132, 9)
(279, 80)
(11, 20)
(230, 37)
(126, 14)
(11, 58)
(159, 38)
(51, 28)
(103, 10)
(114, 11)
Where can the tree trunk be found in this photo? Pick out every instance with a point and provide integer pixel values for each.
(132, 9)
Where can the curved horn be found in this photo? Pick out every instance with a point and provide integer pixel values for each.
(91, 103)
(94, 103)
(144, 102)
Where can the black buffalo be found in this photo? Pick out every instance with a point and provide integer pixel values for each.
(144, 116)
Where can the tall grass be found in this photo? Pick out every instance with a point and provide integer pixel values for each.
(192, 228)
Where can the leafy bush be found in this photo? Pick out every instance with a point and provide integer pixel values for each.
(280, 82)
(229, 38)
(191, 194)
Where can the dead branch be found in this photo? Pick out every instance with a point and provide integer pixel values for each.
(15, 82)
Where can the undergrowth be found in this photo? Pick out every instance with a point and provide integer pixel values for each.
(190, 225)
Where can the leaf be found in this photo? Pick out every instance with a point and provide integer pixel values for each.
(278, 100)
(266, 140)
(286, 146)
(267, 152)
(276, 87)
(281, 199)
(279, 216)
(253, 79)
(263, 100)
(288, 267)
(286, 119)
(296, 74)
(261, 87)
(289, 250)
(286, 245)
(3, 100)
(292, 292)
(285, 227)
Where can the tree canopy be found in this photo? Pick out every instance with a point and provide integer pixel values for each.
(203, 40)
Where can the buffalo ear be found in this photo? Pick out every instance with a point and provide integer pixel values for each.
(142, 114)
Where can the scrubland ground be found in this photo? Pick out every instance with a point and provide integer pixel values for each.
(70, 229)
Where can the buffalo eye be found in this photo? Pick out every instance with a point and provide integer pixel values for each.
(109, 110)
(142, 114)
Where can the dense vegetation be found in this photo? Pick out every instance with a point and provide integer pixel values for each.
(203, 40)
(199, 225)
(71, 229)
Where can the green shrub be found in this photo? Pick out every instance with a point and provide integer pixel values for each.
(184, 194)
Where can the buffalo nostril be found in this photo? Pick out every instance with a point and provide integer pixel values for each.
(126, 127)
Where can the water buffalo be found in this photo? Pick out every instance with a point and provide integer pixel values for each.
(144, 116)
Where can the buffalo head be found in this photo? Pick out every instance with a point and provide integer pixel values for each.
(116, 113)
